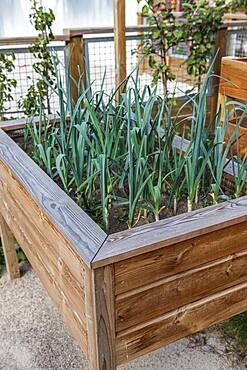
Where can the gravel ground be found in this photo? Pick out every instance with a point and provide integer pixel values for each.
(32, 337)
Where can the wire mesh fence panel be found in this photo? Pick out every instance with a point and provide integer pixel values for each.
(25, 77)
(100, 62)
(237, 43)
(182, 84)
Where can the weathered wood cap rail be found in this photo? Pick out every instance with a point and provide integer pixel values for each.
(129, 243)
(84, 234)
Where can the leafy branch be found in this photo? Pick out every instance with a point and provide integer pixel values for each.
(38, 93)
(6, 83)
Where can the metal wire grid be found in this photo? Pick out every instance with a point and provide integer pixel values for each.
(25, 76)
(237, 43)
(100, 61)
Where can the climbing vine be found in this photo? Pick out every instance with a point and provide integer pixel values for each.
(197, 30)
(38, 92)
(6, 83)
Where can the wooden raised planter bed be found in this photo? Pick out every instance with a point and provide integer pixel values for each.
(126, 294)
(233, 86)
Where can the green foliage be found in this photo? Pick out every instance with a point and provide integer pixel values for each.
(165, 34)
(109, 155)
(6, 84)
(20, 256)
(236, 328)
(200, 23)
(38, 93)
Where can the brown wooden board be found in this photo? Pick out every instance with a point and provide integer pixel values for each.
(164, 295)
(105, 318)
(233, 71)
(178, 257)
(57, 263)
(153, 334)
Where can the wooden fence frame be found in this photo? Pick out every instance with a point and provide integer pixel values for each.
(106, 287)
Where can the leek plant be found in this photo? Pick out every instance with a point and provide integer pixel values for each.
(222, 152)
(107, 154)
(240, 174)
(239, 163)
(176, 175)
(197, 154)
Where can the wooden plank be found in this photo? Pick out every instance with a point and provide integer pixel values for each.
(27, 40)
(150, 301)
(180, 323)
(77, 69)
(59, 267)
(234, 92)
(90, 312)
(234, 70)
(221, 50)
(120, 41)
(85, 236)
(104, 30)
(133, 242)
(8, 245)
(105, 318)
(69, 315)
(235, 16)
(18, 124)
(179, 257)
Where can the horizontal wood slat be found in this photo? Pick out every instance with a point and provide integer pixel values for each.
(59, 267)
(140, 240)
(180, 323)
(178, 257)
(17, 124)
(167, 294)
(83, 233)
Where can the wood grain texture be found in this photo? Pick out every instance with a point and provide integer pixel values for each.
(234, 70)
(180, 323)
(150, 301)
(27, 40)
(221, 50)
(64, 215)
(105, 318)
(119, 41)
(77, 69)
(91, 323)
(179, 257)
(8, 245)
(129, 243)
(58, 265)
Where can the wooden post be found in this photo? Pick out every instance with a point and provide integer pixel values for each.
(9, 251)
(76, 64)
(120, 41)
(103, 357)
(220, 49)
